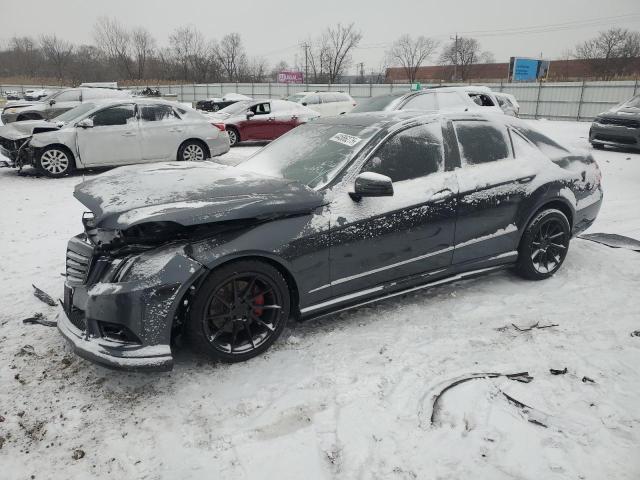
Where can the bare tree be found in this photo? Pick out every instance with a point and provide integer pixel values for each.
(57, 52)
(231, 55)
(143, 46)
(610, 51)
(340, 41)
(26, 55)
(115, 41)
(462, 53)
(410, 53)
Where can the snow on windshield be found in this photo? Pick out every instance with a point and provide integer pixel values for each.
(308, 154)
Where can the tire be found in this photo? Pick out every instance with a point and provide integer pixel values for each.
(192, 151)
(239, 311)
(544, 245)
(234, 136)
(55, 161)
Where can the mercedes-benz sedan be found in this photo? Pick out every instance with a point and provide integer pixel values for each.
(335, 214)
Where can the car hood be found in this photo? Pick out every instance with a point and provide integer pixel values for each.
(19, 130)
(20, 104)
(190, 193)
(623, 111)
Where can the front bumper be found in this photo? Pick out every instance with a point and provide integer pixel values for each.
(126, 324)
(614, 136)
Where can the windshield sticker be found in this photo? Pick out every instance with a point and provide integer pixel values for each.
(343, 138)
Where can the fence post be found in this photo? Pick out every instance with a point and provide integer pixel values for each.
(181, 92)
(349, 88)
(635, 87)
(207, 90)
(194, 93)
(269, 90)
(501, 85)
(370, 88)
(535, 116)
(580, 101)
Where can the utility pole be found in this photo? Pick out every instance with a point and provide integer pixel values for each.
(305, 45)
(361, 70)
(455, 61)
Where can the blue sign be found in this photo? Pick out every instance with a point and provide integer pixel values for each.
(525, 70)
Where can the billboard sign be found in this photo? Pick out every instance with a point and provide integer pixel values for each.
(289, 77)
(528, 69)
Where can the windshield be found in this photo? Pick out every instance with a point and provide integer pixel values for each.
(296, 98)
(633, 103)
(74, 113)
(378, 104)
(311, 154)
(235, 108)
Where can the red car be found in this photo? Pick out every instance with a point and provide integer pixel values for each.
(262, 119)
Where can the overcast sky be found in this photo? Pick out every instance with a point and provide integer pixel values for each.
(274, 28)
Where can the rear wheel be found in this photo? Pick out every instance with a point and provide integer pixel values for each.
(544, 245)
(55, 162)
(234, 136)
(239, 312)
(192, 151)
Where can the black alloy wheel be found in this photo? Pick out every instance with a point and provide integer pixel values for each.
(240, 311)
(544, 245)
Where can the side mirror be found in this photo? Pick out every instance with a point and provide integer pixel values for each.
(51, 102)
(370, 184)
(85, 123)
(304, 104)
(250, 114)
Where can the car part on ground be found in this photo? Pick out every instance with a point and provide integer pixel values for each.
(112, 133)
(335, 214)
(618, 127)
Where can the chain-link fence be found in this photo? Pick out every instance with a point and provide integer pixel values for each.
(557, 100)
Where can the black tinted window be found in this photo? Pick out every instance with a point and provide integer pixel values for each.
(261, 108)
(481, 142)
(120, 115)
(155, 113)
(412, 153)
(544, 143)
(426, 101)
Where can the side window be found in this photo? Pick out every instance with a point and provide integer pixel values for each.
(425, 101)
(481, 142)
(411, 153)
(522, 148)
(118, 115)
(450, 100)
(482, 99)
(156, 113)
(261, 108)
(68, 96)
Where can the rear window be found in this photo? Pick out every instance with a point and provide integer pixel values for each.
(548, 146)
(425, 101)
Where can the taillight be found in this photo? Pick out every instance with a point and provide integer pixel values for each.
(219, 126)
(355, 104)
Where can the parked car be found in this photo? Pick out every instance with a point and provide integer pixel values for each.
(335, 214)
(618, 127)
(56, 103)
(508, 103)
(262, 119)
(216, 103)
(12, 95)
(35, 95)
(113, 132)
(452, 99)
(325, 103)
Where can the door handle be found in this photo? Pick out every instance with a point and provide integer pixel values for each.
(271, 119)
(441, 196)
(525, 179)
(294, 117)
(129, 134)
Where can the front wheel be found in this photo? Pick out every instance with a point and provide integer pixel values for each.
(544, 245)
(55, 162)
(239, 312)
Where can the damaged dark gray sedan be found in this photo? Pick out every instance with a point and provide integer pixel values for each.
(335, 214)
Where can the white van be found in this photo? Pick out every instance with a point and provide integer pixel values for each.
(325, 103)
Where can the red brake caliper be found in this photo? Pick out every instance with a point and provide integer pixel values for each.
(258, 300)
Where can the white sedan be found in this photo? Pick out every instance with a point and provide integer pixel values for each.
(112, 133)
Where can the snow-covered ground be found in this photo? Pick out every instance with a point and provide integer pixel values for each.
(349, 396)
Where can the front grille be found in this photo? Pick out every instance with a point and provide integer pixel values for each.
(619, 122)
(79, 255)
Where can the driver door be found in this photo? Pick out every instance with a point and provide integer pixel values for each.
(382, 239)
(260, 125)
(114, 138)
